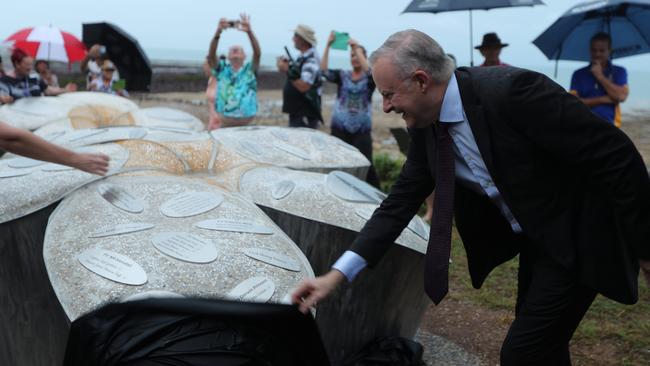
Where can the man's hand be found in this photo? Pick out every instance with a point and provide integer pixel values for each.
(90, 162)
(71, 87)
(223, 24)
(645, 270)
(313, 290)
(283, 64)
(597, 70)
(245, 23)
(94, 51)
(6, 99)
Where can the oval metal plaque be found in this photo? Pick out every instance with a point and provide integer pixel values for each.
(83, 133)
(318, 142)
(234, 226)
(292, 150)
(113, 266)
(22, 163)
(250, 147)
(191, 203)
(185, 246)
(153, 294)
(120, 198)
(51, 167)
(14, 173)
(273, 258)
(254, 289)
(282, 189)
(280, 134)
(120, 229)
(350, 188)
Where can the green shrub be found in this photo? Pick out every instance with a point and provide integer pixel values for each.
(387, 168)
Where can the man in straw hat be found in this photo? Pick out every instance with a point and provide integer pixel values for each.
(301, 95)
(523, 168)
(490, 48)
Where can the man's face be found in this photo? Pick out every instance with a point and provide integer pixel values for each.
(236, 55)
(402, 95)
(599, 51)
(41, 68)
(24, 67)
(490, 52)
(107, 73)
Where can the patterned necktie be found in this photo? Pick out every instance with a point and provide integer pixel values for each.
(436, 267)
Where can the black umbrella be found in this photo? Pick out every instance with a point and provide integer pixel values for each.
(439, 6)
(124, 51)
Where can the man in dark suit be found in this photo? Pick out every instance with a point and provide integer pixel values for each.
(527, 169)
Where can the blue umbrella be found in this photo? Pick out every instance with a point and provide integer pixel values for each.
(627, 22)
(439, 6)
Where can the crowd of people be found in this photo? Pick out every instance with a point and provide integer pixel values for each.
(526, 168)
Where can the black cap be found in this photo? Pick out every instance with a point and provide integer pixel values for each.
(491, 39)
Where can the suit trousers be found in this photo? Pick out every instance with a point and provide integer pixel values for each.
(550, 305)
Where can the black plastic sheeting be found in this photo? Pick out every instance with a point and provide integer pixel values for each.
(198, 332)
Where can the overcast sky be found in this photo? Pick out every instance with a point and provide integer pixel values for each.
(189, 24)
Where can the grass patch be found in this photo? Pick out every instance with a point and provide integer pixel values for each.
(387, 169)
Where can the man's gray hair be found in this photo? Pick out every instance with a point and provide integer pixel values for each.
(410, 50)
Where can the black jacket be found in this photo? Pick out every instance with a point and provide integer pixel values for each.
(576, 184)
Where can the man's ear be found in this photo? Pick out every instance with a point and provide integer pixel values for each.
(422, 80)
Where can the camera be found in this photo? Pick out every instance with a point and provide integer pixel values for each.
(233, 23)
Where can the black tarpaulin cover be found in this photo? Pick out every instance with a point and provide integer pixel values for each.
(196, 332)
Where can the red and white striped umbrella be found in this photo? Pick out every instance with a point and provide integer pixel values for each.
(49, 43)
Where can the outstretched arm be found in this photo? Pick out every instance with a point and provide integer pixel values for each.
(25, 143)
(245, 26)
(212, 51)
(324, 62)
(313, 290)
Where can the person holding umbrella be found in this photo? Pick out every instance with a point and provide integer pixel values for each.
(19, 84)
(601, 85)
(236, 100)
(490, 48)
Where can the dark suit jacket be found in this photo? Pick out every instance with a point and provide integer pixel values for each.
(576, 184)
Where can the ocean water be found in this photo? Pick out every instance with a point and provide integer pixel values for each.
(639, 80)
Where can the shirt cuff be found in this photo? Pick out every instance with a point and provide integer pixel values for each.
(350, 264)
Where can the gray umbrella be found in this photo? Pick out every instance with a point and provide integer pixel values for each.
(439, 6)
